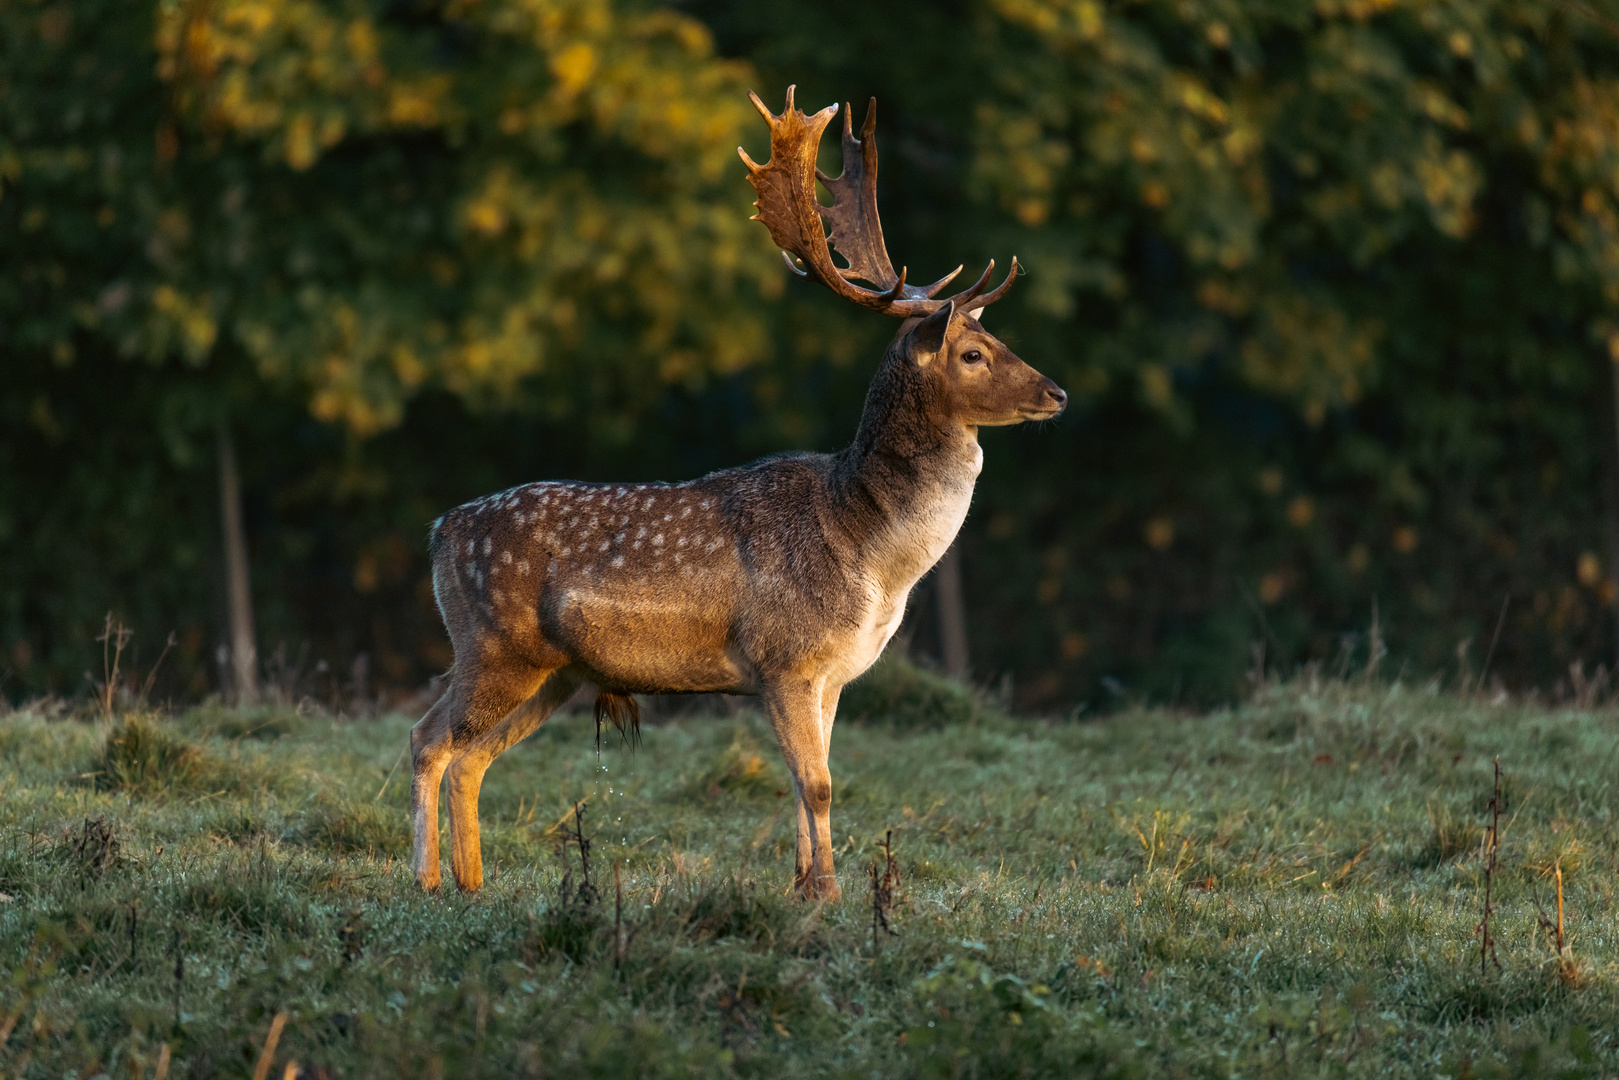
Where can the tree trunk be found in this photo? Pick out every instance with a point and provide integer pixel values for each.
(244, 651)
(952, 613)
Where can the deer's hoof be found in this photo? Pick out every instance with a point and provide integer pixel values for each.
(817, 887)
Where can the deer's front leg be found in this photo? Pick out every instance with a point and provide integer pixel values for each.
(795, 714)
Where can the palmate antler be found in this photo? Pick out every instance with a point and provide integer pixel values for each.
(789, 209)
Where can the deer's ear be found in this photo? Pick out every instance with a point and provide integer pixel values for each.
(927, 338)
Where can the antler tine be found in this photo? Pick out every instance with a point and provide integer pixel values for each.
(938, 286)
(961, 298)
(1000, 290)
(788, 207)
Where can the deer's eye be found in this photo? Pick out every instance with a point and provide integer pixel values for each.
(972, 356)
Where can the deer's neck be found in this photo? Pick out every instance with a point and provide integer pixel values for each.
(907, 480)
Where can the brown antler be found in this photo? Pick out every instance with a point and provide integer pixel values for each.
(789, 209)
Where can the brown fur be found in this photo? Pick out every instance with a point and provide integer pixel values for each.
(623, 712)
(784, 578)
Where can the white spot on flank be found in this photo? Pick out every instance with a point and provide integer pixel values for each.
(657, 541)
(522, 566)
(618, 560)
(470, 544)
(668, 517)
(649, 503)
(619, 539)
(488, 545)
(704, 504)
(686, 512)
(506, 557)
(565, 551)
(603, 546)
(636, 545)
(574, 520)
(681, 542)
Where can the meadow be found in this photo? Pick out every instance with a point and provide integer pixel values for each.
(1289, 887)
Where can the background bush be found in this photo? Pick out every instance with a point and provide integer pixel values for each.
(1331, 286)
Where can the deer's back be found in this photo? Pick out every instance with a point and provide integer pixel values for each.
(653, 587)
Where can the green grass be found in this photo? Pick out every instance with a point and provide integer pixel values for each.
(1289, 888)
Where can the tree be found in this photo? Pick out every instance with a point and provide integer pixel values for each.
(520, 203)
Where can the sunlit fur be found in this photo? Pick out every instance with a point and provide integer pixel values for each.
(784, 578)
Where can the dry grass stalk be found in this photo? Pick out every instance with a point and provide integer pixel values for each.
(113, 637)
(261, 1071)
(162, 1070)
(1567, 970)
(1495, 639)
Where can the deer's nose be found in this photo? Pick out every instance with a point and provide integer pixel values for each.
(1056, 395)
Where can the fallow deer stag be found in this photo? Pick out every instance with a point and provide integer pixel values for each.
(784, 578)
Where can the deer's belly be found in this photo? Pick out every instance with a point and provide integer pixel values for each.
(644, 645)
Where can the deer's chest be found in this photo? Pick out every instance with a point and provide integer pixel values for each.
(914, 544)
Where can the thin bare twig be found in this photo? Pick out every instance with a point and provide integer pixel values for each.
(1492, 844)
(884, 884)
(1495, 639)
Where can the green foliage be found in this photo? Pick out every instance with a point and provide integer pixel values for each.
(896, 691)
(1332, 287)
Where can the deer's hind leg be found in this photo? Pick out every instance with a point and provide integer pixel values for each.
(467, 768)
(475, 703)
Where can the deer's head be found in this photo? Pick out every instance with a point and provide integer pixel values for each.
(970, 376)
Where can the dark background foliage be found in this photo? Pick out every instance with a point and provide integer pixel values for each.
(1330, 286)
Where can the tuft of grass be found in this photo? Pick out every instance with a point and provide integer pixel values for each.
(1451, 836)
(898, 693)
(350, 827)
(743, 769)
(141, 755)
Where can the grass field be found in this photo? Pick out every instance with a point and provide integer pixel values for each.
(1288, 888)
